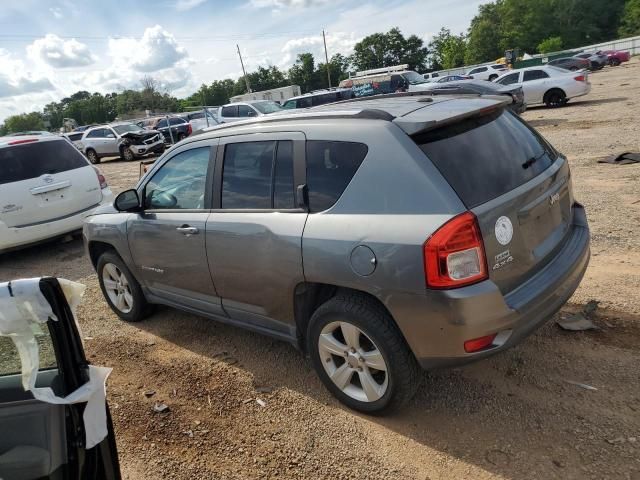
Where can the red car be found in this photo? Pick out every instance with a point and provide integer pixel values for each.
(616, 57)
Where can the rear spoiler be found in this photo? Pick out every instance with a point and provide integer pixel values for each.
(458, 111)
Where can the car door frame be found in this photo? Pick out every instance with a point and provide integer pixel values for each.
(72, 372)
(111, 149)
(211, 306)
(261, 323)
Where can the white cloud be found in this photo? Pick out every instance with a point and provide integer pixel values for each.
(339, 42)
(286, 3)
(184, 5)
(56, 12)
(15, 80)
(60, 53)
(156, 50)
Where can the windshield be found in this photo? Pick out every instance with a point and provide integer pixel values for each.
(414, 78)
(267, 107)
(127, 127)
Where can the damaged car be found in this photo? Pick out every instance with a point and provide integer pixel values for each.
(126, 140)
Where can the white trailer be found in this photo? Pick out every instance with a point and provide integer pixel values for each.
(279, 95)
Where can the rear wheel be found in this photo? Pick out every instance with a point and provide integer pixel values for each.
(181, 136)
(615, 62)
(492, 77)
(555, 98)
(360, 355)
(574, 69)
(93, 156)
(120, 288)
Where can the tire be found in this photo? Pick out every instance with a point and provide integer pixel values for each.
(574, 69)
(111, 267)
(92, 156)
(181, 136)
(376, 337)
(127, 154)
(492, 77)
(555, 98)
(615, 62)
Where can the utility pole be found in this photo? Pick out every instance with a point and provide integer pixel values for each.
(326, 57)
(246, 80)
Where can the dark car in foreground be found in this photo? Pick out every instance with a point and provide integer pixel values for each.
(481, 87)
(378, 235)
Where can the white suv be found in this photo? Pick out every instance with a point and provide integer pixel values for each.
(487, 72)
(47, 188)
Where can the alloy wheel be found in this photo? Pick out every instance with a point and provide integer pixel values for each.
(117, 287)
(353, 362)
(127, 154)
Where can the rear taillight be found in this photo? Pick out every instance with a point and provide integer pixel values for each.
(189, 129)
(454, 255)
(101, 179)
(580, 78)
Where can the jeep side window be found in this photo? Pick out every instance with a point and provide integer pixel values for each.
(249, 180)
(330, 168)
(179, 183)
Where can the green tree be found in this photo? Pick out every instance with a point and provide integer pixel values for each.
(388, 49)
(483, 38)
(304, 73)
(447, 50)
(630, 21)
(551, 44)
(22, 122)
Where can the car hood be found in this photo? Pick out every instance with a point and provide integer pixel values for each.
(140, 134)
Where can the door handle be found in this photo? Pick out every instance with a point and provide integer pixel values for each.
(187, 230)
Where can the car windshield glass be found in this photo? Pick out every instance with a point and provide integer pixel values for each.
(414, 78)
(130, 127)
(32, 160)
(498, 148)
(267, 107)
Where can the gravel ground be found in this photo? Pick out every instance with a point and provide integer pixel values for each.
(516, 415)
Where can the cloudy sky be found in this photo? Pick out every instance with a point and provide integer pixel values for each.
(52, 48)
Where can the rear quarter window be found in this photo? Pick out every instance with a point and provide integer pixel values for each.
(488, 156)
(330, 168)
(31, 160)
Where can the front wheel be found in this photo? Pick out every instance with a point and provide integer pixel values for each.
(120, 288)
(93, 156)
(360, 356)
(555, 98)
(127, 154)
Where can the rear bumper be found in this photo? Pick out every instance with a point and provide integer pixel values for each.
(12, 237)
(436, 325)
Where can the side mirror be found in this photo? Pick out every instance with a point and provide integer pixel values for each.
(127, 201)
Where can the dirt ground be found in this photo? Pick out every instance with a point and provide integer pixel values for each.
(517, 415)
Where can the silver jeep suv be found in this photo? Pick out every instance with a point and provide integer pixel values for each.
(377, 235)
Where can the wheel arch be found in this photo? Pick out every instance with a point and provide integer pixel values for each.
(97, 248)
(308, 296)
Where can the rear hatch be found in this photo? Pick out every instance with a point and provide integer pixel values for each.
(45, 180)
(515, 183)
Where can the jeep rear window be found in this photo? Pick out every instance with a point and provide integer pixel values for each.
(32, 160)
(330, 168)
(487, 156)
